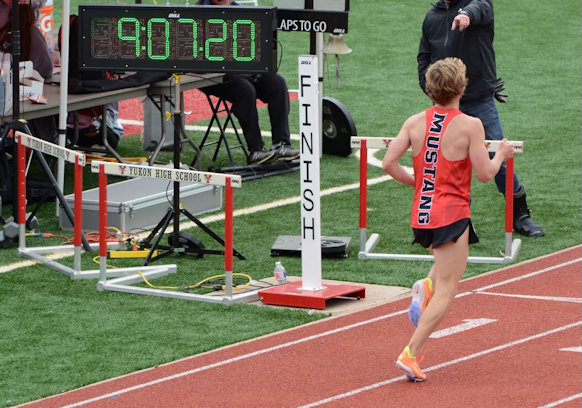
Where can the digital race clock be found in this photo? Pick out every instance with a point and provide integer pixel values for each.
(178, 38)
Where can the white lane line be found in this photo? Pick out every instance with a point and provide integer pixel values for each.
(269, 349)
(552, 298)
(562, 401)
(442, 365)
(573, 349)
(529, 275)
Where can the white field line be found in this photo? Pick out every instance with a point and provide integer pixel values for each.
(331, 332)
(201, 128)
(220, 216)
(371, 159)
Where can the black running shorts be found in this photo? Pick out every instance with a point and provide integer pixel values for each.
(438, 236)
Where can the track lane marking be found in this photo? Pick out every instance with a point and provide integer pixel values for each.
(562, 401)
(533, 297)
(574, 349)
(528, 275)
(467, 324)
(442, 365)
(232, 360)
(288, 344)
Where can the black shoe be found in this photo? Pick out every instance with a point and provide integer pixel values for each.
(262, 157)
(528, 227)
(522, 222)
(286, 153)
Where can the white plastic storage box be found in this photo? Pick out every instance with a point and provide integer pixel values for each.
(139, 204)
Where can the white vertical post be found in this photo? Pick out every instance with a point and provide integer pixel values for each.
(310, 131)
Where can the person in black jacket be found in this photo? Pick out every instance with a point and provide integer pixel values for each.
(465, 29)
(242, 91)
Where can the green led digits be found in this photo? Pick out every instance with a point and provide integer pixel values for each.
(235, 40)
(154, 34)
(194, 25)
(159, 33)
(212, 40)
(134, 37)
(177, 38)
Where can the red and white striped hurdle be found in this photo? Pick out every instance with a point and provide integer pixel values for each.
(367, 245)
(125, 283)
(26, 141)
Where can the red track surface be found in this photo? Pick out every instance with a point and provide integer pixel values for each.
(196, 108)
(516, 360)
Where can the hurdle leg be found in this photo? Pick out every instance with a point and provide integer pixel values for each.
(511, 246)
(21, 180)
(102, 225)
(78, 217)
(228, 237)
(363, 195)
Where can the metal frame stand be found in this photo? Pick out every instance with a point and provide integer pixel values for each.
(174, 212)
(216, 109)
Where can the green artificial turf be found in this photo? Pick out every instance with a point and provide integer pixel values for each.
(58, 334)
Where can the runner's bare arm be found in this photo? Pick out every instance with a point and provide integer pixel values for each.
(391, 162)
(485, 168)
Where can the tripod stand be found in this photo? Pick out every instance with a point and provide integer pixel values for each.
(174, 212)
(18, 124)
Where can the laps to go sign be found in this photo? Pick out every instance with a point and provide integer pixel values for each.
(178, 38)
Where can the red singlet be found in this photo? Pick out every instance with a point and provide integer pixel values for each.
(442, 189)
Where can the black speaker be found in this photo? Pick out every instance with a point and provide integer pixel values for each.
(192, 246)
(337, 127)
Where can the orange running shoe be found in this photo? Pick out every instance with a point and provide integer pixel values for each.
(422, 291)
(407, 363)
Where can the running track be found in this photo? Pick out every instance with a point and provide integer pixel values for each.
(526, 353)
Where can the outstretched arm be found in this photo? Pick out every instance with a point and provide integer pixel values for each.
(477, 12)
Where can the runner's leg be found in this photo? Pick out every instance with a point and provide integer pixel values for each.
(450, 261)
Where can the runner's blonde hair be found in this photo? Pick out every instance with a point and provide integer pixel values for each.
(446, 79)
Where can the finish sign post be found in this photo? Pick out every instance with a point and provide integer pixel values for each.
(309, 129)
(309, 292)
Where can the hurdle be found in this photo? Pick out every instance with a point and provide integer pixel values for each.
(79, 243)
(367, 245)
(125, 283)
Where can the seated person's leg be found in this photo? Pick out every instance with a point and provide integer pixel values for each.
(238, 91)
(272, 90)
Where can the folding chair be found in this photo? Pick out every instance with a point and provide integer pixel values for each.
(220, 107)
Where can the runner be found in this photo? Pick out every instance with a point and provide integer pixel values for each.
(446, 144)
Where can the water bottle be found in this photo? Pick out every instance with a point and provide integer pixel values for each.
(280, 273)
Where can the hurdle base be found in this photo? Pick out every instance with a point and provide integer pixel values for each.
(291, 294)
(125, 284)
(368, 247)
(37, 254)
(374, 238)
